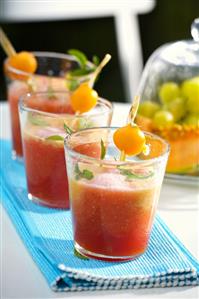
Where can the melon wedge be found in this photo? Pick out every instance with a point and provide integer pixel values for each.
(184, 143)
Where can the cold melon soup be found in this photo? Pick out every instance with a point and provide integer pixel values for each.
(113, 216)
(43, 132)
(113, 202)
(44, 160)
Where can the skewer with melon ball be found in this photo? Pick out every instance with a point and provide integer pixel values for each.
(23, 61)
(84, 98)
(130, 139)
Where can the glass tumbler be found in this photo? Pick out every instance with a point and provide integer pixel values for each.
(113, 203)
(43, 133)
(50, 75)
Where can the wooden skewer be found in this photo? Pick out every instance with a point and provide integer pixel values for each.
(133, 110)
(6, 44)
(102, 64)
(122, 156)
(130, 119)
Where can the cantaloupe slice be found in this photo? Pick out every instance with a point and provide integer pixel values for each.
(184, 143)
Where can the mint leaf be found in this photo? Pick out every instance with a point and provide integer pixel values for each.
(80, 56)
(79, 255)
(96, 60)
(85, 68)
(55, 137)
(85, 174)
(103, 150)
(81, 72)
(35, 120)
(77, 172)
(72, 84)
(132, 175)
(68, 130)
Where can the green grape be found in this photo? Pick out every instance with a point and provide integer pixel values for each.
(195, 79)
(148, 109)
(169, 91)
(190, 90)
(178, 108)
(163, 119)
(192, 119)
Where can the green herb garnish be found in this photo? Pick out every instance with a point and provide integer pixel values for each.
(68, 130)
(103, 150)
(85, 174)
(80, 72)
(79, 56)
(85, 68)
(132, 175)
(55, 138)
(72, 84)
(79, 255)
(96, 60)
(37, 121)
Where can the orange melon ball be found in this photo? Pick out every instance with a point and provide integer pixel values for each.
(84, 98)
(22, 61)
(129, 139)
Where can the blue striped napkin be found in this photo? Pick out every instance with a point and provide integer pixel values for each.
(47, 234)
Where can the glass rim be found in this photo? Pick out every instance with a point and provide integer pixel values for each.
(115, 163)
(47, 55)
(101, 101)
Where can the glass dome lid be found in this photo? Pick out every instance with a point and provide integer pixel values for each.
(175, 61)
(169, 91)
(184, 52)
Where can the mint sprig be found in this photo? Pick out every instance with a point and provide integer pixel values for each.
(103, 150)
(130, 175)
(85, 68)
(55, 138)
(68, 130)
(85, 174)
(80, 72)
(79, 56)
(72, 84)
(96, 60)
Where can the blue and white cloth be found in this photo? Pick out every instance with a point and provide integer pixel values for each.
(47, 234)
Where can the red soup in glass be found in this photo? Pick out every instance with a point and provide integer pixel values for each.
(43, 133)
(113, 203)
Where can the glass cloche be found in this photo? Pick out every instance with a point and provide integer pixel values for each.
(169, 90)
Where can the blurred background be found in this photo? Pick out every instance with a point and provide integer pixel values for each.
(103, 29)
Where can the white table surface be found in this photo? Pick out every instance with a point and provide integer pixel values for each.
(20, 277)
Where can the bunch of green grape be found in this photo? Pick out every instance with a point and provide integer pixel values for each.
(178, 103)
